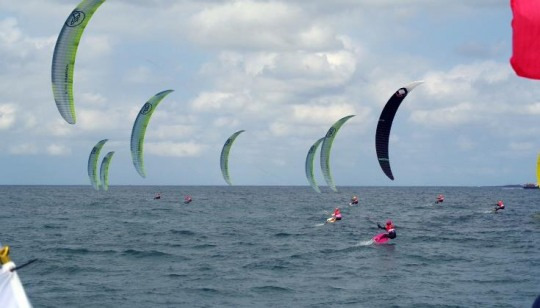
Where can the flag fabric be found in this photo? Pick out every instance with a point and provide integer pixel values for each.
(525, 58)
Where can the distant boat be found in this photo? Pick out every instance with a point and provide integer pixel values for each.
(532, 185)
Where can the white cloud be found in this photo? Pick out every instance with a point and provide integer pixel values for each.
(58, 150)
(184, 149)
(97, 120)
(93, 99)
(316, 117)
(320, 69)
(7, 116)
(268, 79)
(30, 121)
(462, 80)
(522, 146)
(532, 109)
(208, 101)
(9, 32)
(472, 94)
(15, 46)
(59, 128)
(444, 117)
(256, 63)
(170, 132)
(226, 122)
(321, 114)
(139, 75)
(281, 129)
(97, 45)
(465, 143)
(317, 36)
(259, 25)
(23, 149)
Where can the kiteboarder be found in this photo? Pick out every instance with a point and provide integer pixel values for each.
(335, 216)
(499, 206)
(354, 200)
(187, 199)
(390, 228)
(440, 199)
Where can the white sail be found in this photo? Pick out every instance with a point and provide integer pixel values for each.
(12, 294)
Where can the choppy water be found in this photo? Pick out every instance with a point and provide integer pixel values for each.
(265, 247)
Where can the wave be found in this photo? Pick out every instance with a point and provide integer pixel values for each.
(365, 243)
(174, 275)
(183, 232)
(271, 288)
(71, 269)
(206, 290)
(282, 234)
(286, 234)
(144, 253)
(204, 246)
(54, 226)
(268, 264)
(71, 250)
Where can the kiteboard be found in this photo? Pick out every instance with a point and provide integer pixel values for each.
(380, 238)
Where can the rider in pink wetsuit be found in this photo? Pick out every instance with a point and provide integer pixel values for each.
(500, 206)
(337, 214)
(390, 228)
(440, 199)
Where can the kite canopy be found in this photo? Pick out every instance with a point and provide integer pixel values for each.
(139, 130)
(92, 164)
(224, 157)
(309, 165)
(104, 170)
(325, 151)
(382, 135)
(525, 58)
(65, 51)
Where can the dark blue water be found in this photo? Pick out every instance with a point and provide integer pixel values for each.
(265, 247)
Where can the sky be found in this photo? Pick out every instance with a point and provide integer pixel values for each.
(283, 71)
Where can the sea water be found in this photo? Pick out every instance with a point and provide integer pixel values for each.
(270, 246)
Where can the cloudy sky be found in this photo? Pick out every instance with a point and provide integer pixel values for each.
(284, 71)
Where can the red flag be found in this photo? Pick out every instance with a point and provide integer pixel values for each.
(526, 38)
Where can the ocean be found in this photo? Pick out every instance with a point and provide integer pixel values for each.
(264, 246)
